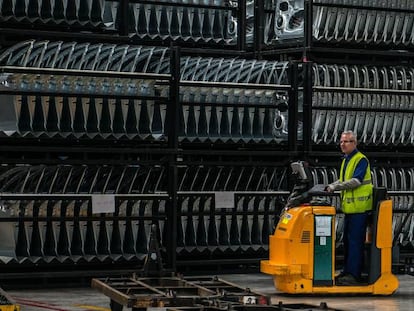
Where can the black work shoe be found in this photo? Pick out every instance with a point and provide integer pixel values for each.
(346, 280)
(340, 275)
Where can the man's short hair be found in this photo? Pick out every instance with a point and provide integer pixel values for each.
(350, 133)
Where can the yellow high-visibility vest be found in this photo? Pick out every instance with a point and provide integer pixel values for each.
(358, 200)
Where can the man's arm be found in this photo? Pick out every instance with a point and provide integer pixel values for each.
(354, 182)
(343, 185)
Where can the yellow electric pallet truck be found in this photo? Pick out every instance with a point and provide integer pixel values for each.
(302, 248)
(7, 303)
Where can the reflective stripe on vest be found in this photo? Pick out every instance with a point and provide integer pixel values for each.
(357, 200)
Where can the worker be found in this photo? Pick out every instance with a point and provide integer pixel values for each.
(356, 187)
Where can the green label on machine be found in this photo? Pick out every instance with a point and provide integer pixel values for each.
(323, 257)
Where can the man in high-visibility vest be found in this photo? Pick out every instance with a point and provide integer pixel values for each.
(356, 187)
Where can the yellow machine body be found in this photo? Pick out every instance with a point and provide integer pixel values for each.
(8, 304)
(302, 253)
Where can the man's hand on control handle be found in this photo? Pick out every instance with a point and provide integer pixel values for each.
(343, 185)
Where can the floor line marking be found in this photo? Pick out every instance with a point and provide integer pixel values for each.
(38, 304)
(93, 308)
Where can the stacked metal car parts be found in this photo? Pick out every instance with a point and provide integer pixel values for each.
(79, 14)
(79, 236)
(348, 22)
(374, 100)
(62, 227)
(289, 19)
(210, 22)
(401, 181)
(216, 21)
(208, 226)
(91, 107)
(219, 122)
(56, 222)
(374, 23)
(185, 20)
(194, 21)
(377, 117)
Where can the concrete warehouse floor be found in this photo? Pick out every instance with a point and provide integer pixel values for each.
(82, 299)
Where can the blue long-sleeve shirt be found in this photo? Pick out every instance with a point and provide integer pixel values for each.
(360, 169)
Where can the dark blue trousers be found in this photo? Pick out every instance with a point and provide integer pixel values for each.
(354, 243)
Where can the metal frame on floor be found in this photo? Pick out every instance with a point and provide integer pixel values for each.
(244, 163)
